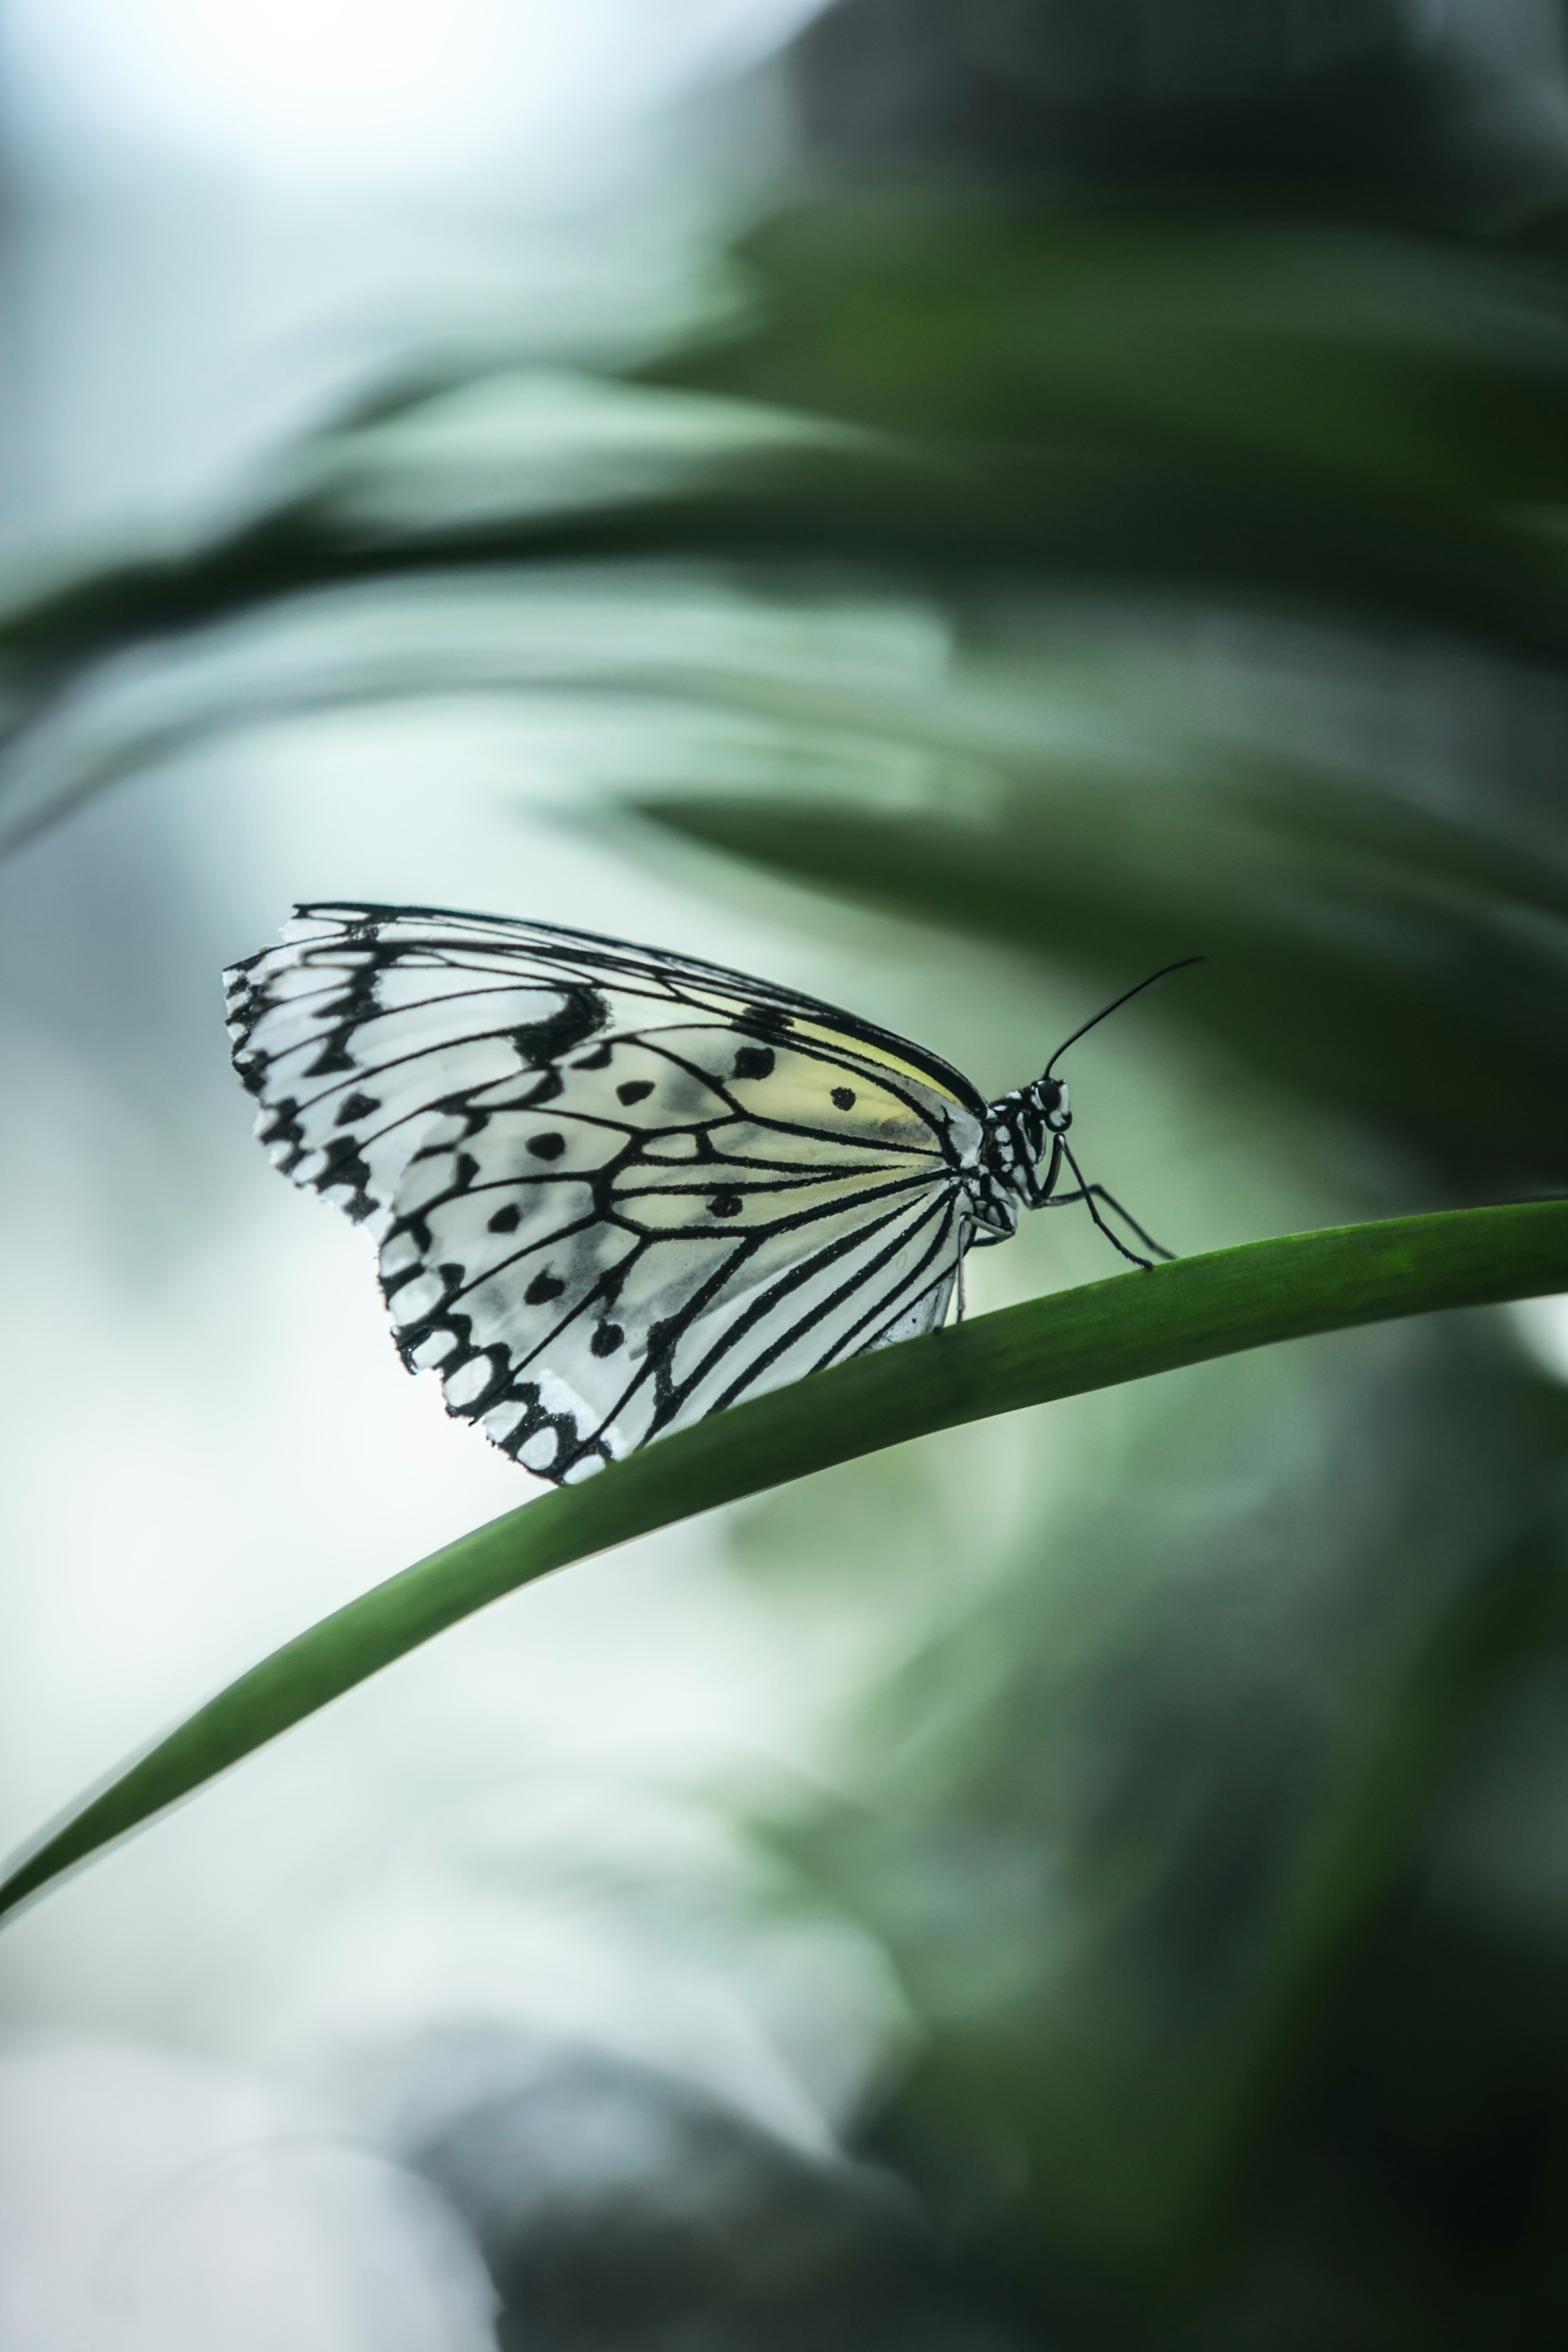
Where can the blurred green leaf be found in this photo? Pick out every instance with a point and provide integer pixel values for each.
(1179, 1761)
(1094, 1337)
(1418, 374)
(1359, 427)
(1408, 961)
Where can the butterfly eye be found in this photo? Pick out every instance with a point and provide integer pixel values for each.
(1051, 1101)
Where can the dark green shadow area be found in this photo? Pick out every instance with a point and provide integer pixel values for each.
(1090, 1337)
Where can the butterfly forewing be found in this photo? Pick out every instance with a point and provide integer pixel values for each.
(612, 1191)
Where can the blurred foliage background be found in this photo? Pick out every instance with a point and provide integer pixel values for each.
(1114, 505)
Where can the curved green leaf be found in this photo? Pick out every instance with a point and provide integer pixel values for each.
(1363, 428)
(1370, 950)
(1093, 1337)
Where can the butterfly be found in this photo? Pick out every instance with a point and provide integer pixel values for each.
(615, 1190)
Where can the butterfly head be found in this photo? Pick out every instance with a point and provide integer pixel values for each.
(1047, 1097)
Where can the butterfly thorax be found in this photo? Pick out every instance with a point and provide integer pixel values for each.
(1013, 1166)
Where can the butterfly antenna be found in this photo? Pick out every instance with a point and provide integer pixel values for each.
(1117, 1002)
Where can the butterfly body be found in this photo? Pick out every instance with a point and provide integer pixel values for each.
(613, 1189)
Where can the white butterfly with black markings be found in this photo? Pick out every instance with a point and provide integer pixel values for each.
(615, 1190)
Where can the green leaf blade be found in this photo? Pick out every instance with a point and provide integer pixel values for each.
(1097, 1336)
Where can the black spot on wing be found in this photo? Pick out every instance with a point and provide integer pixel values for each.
(633, 1090)
(507, 1220)
(547, 1147)
(755, 1062)
(442, 1317)
(770, 1019)
(284, 1127)
(495, 1390)
(845, 1098)
(582, 1014)
(344, 1169)
(568, 1449)
(542, 1288)
(417, 1225)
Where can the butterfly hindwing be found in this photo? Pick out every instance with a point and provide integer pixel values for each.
(612, 1191)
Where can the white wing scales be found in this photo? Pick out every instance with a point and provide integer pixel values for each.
(612, 1191)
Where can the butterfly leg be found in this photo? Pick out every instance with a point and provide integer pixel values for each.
(1092, 1192)
(1089, 1194)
